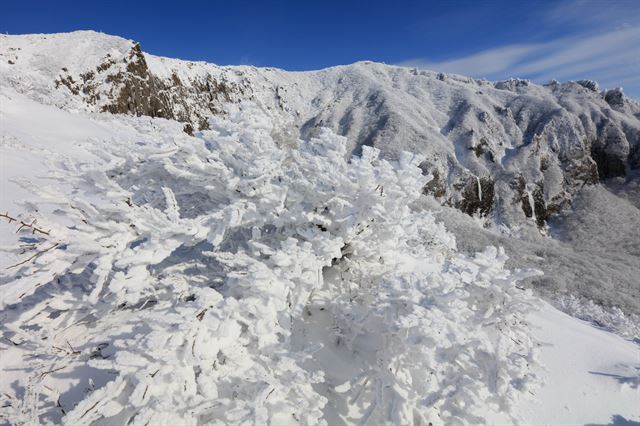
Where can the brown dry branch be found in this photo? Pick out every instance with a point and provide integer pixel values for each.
(34, 256)
(73, 351)
(22, 224)
(90, 408)
(55, 370)
(200, 315)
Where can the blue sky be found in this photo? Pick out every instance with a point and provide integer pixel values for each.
(536, 39)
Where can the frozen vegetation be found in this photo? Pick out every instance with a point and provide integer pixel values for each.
(251, 284)
(358, 245)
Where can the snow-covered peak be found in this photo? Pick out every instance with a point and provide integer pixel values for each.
(513, 151)
(39, 64)
(77, 51)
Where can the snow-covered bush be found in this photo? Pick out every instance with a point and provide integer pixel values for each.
(220, 279)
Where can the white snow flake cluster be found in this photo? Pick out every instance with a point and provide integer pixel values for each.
(221, 279)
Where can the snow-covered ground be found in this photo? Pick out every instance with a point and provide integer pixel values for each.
(592, 375)
(397, 326)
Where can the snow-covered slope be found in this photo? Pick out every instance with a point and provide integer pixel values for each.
(139, 347)
(512, 152)
(160, 282)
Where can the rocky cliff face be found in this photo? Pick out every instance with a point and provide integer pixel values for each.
(131, 88)
(511, 151)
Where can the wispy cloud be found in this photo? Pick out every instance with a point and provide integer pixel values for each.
(484, 63)
(589, 14)
(603, 46)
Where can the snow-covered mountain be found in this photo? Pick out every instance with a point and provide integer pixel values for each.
(194, 260)
(508, 149)
(512, 152)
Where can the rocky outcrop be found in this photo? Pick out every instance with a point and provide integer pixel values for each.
(131, 88)
(477, 196)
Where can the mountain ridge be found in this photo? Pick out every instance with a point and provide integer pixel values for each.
(513, 154)
(576, 133)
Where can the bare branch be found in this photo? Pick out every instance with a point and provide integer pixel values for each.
(90, 408)
(34, 256)
(22, 224)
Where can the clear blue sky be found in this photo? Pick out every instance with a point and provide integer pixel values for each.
(494, 39)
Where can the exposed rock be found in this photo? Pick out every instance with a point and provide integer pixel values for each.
(134, 89)
(512, 84)
(608, 165)
(589, 84)
(531, 199)
(477, 196)
(614, 97)
(188, 129)
(436, 186)
(583, 171)
(610, 152)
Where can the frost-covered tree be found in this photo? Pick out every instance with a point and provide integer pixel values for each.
(221, 279)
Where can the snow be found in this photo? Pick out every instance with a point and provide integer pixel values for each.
(592, 375)
(28, 58)
(151, 228)
(201, 307)
(27, 144)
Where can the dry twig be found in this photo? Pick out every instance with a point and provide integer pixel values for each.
(22, 224)
(33, 256)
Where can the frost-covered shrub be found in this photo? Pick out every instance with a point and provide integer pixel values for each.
(224, 280)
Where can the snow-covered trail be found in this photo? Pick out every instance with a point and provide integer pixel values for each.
(592, 376)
